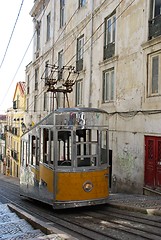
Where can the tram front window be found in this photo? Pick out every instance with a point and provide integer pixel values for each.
(87, 147)
(64, 148)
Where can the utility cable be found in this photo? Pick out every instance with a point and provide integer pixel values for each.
(11, 34)
(89, 39)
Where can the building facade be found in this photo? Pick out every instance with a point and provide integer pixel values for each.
(15, 128)
(114, 48)
(2, 142)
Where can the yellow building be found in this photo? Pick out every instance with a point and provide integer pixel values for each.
(15, 123)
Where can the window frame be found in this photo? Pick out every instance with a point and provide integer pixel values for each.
(35, 103)
(80, 47)
(62, 13)
(154, 8)
(112, 26)
(36, 78)
(108, 85)
(45, 107)
(38, 37)
(28, 84)
(48, 27)
(151, 78)
(80, 53)
(79, 93)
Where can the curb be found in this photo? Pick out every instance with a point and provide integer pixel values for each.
(149, 211)
(38, 224)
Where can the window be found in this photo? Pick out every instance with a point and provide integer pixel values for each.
(35, 103)
(36, 78)
(108, 85)
(46, 71)
(80, 52)
(27, 104)
(82, 3)
(64, 148)
(38, 37)
(60, 64)
(154, 72)
(87, 147)
(110, 32)
(45, 101)
(155, 8)
(79, 90)
(48, 27)
(28, 84)
(15, 104)
(155, 19)
(62, 13)
(46, 145)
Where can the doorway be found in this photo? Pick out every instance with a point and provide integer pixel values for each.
(152, 176)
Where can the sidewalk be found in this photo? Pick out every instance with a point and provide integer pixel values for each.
(137, 203)
(132, 202)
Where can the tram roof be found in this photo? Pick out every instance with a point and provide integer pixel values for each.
(66, 110)
(61, 110)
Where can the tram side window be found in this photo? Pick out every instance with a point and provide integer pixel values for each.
(64, 148)
(87, 147)
(24, 160)
(37, 151)
(104, 147)
(47, 145)
(33, 150)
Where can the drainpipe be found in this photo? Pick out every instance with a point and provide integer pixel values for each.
(91, 55)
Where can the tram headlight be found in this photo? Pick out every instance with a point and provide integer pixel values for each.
(88, 186)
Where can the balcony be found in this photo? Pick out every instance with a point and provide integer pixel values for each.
(109, 51)
(155, 27)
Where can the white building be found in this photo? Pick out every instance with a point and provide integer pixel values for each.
(3, 124)
(116, 48)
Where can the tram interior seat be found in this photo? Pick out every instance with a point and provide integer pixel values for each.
(85, 162)
(64, 163)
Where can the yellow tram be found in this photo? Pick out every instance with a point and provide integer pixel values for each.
(64, 159)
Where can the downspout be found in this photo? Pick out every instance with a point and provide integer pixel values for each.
(91, 56)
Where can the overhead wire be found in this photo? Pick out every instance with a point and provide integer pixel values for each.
(57, 41)
(72, 43)
(92, 36)
(20, 64)
(12, 34)
(85, 42)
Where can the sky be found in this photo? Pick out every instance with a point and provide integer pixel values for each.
(14, 41)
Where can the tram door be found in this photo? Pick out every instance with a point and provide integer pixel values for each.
(153, 161)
